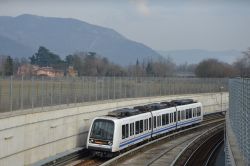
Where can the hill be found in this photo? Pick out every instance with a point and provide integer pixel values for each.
(22, 35)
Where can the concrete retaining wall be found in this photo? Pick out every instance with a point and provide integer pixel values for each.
(27, 137)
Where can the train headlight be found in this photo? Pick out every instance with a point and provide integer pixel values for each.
(91, 141)
(110, 143)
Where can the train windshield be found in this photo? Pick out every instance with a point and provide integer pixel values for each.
(102, 129)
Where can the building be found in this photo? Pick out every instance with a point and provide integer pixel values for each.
(33, 70)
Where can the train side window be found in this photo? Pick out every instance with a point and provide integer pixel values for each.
(183, 115)
(158, 121)
(174, 116)
(190, 113)
(194, 112)
(154, 121)
(141, 126)
(145, 124)
(150, 123)
(198, 111)
(137, 127)
(131, 129)
(126, 131)
(167, 118)
(123, 131)
(163, 119)
(187, 114)
(179, 115)
(171, 117)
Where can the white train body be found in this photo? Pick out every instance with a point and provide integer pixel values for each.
(113, 134)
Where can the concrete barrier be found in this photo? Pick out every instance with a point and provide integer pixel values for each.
(27, 137)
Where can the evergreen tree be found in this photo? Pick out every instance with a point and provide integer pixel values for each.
(8, 66)
(44, 58)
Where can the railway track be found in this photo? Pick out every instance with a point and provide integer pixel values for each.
(201, 149)
(154, 150)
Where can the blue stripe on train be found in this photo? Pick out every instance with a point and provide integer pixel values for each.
(155, 132)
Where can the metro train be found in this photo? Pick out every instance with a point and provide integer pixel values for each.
(125, 128)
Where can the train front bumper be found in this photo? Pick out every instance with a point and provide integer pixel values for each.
(98, 147)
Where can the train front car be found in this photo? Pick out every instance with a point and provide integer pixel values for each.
(101, 136)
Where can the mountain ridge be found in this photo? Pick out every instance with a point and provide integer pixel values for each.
(65, 36)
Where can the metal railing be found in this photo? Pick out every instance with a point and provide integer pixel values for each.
(239, 114)
(19, 93)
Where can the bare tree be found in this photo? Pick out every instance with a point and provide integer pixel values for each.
(243, 64)
(215, 68)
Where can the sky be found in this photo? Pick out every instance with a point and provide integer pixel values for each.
(161, 24)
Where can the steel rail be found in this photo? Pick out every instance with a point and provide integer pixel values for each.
(213, 151)
(199, 138)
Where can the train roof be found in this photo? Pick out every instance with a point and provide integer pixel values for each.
(126, 112)
(183, 102)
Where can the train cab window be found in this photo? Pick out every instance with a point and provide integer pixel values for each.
(167, 118)
(174, 116)
(198, 111)
(179, 115)
(150, 123)
(126, 131)
(123, 131)
(141, 126)
(163, 119)
(102, 129)
(132, 129)
(137, 127)
(154, 121)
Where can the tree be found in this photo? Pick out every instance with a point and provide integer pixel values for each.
(44, 58)
(149, 69)
(8, 66)
(215, 68)
(243, 64)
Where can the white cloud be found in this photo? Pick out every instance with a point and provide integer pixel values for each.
(142, 7)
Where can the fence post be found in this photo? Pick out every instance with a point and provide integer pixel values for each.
(42, 93)
(108, 81)
(120, 90)
(125, 88)
(22, 94)
(82, 89)
(32, 92)
(96, 94)
(61, 93)
(11, 91)
(114, 89)
(74, 84)
(51, 92)
(89, 98)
